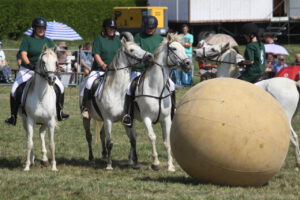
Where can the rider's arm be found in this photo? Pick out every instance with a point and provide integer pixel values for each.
(99, 60)
(26, 60)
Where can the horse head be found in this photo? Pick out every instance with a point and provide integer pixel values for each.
(211, 52)
(134, 53)
(46, 65)
(176, 53)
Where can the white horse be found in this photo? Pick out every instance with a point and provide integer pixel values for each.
(40, 106)
(284, 90)
(153, 96)
(112, 99)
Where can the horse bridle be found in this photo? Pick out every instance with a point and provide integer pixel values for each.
(160, 97)
(44, 72)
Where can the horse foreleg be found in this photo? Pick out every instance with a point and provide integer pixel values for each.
(132, 157)
(103, 143)
(152, 137)
(44, 150)
(89, 137)
(109, 144)
(295, 142)
(166, 128)
(29, 134)
(51, 126)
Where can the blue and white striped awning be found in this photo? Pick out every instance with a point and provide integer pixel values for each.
(58, 31)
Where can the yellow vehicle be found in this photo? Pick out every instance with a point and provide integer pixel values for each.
(130, 18)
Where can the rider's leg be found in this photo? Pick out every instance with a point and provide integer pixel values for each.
(60, 97)
(15, 102)
(16, 93)
(129, 104)
(173, 98)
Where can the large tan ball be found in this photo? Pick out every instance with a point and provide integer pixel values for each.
(230, 132)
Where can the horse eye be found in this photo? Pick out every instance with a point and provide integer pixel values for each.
(173, 48)
(213, 50)
(131, 50)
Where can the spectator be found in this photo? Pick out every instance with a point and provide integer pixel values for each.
(281, 64)
(86, 58)
(297, 59)
(186, 78)
(4, 68)
(63, 58)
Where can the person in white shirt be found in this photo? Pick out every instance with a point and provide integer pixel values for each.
(4, 68)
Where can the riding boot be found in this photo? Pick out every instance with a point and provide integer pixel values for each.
(14, 106)
(60, 97)
(127, 118)
(84, 105)
(173, 107)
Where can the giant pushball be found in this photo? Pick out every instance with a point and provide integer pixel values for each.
(229, 132)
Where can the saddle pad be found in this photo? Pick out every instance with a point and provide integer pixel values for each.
(25, 92)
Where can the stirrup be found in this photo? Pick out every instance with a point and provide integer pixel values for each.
(127, 121)
(62, 116)
(11, 121)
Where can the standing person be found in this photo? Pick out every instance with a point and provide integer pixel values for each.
(86, 59)
(254, 54)
(148, 41)
(297, 59)
(31, 49)
(186, 78)
(6, 71)
(105, 47)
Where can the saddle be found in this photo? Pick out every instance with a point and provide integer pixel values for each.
(96, 89)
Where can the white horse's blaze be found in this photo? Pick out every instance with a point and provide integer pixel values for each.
(153, 84)
(40, 107)
(112, 99)
(283, 90)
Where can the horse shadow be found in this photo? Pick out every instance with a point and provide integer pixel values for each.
(11, 163)
(97, 164)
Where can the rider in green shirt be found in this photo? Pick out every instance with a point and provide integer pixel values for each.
(31, 49)
(254, 54)
(105, 47)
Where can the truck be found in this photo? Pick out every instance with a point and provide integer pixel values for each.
(278, 17)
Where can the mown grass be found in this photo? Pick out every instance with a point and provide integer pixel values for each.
(77, 179)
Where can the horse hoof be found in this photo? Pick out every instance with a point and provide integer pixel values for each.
(26, 169)
(296, 169)
(109, 167)
(44, 163)
(54, 169)
(171, 169)
(155, 167)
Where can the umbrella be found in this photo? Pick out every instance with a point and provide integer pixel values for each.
(291, 72)
(220, 38)
(58, 31)
(276, 49)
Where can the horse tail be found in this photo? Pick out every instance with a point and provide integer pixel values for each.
(298, 105)
(97, 128)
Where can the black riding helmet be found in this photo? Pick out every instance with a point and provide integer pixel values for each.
(39, 22)
(149, 22)
(250, 28)
(109, 23)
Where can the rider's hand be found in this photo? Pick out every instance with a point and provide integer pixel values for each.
(30, 66)
(103, 66)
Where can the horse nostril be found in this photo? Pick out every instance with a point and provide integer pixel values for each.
(187, 63)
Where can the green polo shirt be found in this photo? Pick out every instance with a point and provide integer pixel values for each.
(255, 52)
(106, 48)
(34, 47)
(149, 43)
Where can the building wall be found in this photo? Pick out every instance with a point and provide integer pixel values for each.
(294, 8)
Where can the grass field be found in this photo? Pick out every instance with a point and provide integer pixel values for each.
(76, 179)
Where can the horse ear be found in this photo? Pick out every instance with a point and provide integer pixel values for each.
(45, 47)
(123, 41)
(128, 36)
(169, 36)
(54, 48)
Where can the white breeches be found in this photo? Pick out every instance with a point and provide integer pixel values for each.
(24, 75)
(135, 74)
(92, 77)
